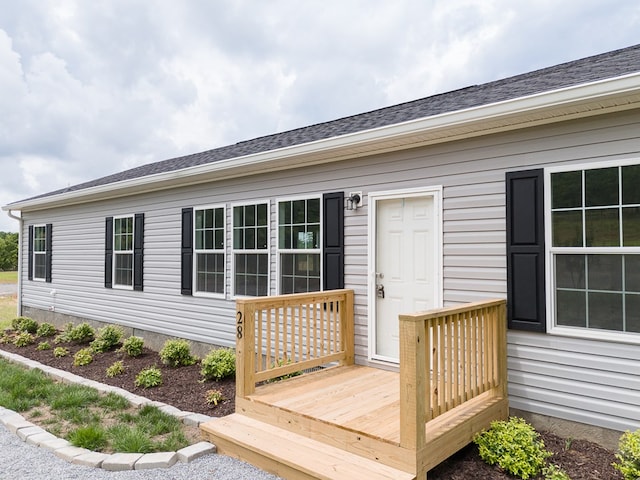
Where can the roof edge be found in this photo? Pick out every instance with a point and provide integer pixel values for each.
(516, 113)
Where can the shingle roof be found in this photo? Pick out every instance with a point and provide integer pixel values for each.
(598, 67)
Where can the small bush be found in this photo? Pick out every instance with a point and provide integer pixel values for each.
(213, 397)
(628, 455)
(219, 364)
(82, 357)
(23, 339)
(5, 338)
(24, 324)
(515, 446)
(46, 330)
(64, 335)
(82, 333)
(554, 472)
(115, 369)
(60, 352)
(149, 377)
(107, 339)
(177, 353)
(43, 346)
(132, 346)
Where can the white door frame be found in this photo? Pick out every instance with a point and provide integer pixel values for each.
(373, 197)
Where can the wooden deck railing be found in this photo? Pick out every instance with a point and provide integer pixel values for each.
(447, 357)
(278, 336)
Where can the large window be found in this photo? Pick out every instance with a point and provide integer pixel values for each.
(39, 252)
(209, 233)
(123, 251)
(250, 249)
(299, 245)
(595, 248)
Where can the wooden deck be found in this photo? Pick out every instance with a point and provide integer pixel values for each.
(350, 421)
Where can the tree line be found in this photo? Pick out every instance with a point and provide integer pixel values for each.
(8, 251)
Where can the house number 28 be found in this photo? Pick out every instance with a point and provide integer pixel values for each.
(239, 325)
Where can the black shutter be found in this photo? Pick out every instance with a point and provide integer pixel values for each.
(138, 251)
(333, 240)
(525, 251)
(187, 252)
(108, 252)
(30, 249)
(48, 254)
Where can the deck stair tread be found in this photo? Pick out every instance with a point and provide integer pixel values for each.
(311, 458)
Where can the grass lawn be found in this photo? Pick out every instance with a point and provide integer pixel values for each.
(88, 418)
(8, 277)
(8, 306)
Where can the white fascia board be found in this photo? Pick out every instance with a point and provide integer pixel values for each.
(367, 141)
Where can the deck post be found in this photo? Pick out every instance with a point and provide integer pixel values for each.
(245, 346)
(347, 327)
(413, 381)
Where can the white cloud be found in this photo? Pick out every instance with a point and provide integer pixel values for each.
(90, 88)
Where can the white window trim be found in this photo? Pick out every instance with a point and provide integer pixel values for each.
(121, 252)
(550, 251)
(43, 253)
(196, 292)
(256, 251)
(280, 251)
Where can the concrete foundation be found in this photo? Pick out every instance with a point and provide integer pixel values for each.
(152, 340)
(571, 430)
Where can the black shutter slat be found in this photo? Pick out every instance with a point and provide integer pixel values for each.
(186, 287)
(49, 253)
(108, 253)
(138, 251)
(525, 251)
(333, 240)
(30, 250)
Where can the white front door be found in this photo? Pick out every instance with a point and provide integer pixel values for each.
(406, 276)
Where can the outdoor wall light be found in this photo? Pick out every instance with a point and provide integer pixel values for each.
(354, 200)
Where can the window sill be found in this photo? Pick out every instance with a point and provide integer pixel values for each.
(630, 338)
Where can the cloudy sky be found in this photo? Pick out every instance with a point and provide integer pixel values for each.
(91, 87)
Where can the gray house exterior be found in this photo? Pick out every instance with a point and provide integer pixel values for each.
(525, 188)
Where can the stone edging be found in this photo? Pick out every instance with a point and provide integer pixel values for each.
(34, 435)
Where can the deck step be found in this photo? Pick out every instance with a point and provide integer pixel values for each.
(290, 455)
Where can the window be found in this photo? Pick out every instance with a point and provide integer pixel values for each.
(209, 233)
(40, 252)
(299, 245)
(595, 248)
(250, 249)
(123, 251)
(124, 236)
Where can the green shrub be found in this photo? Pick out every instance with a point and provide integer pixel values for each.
(60, 352)
(107, 339)
(177, 353)
(82, 333)
(24, 324)
(628, 455)
(23, 339)
(115, 369)
(132, 346)
(149, 377)
(46, 330)
(64, 335)
(43, 346)
(213, 397)
(219, 364)
(515, 446)
(82, 357)
(5, 338)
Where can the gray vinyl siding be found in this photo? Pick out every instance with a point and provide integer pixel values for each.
(576, 382)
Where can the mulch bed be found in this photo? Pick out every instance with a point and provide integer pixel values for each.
(183, 388)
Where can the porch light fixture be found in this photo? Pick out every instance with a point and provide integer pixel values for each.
(354, 200)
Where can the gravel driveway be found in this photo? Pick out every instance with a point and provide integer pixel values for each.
(19, 460)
